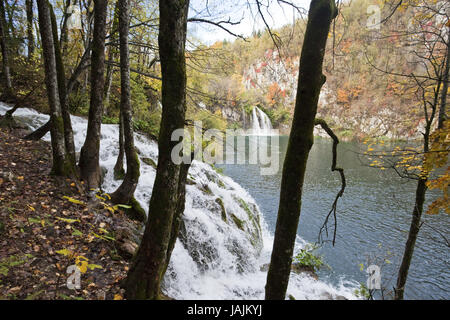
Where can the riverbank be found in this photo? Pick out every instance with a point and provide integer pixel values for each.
(48, 223)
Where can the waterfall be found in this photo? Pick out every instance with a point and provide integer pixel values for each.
(224, 241)
(261, 125)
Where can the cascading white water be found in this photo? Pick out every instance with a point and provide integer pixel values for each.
(261, 124)
(223, 243)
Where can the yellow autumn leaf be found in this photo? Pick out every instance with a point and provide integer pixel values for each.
(64, 252)
(82, 266)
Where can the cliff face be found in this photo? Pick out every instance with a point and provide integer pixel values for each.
(355, 112)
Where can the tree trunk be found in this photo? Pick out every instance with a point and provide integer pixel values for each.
(51, 81)
(89, 156)
(112, 54)
(125, 192)
(412, 237)
(179, 211)
(30, 37)
(310, 81)
(64, 28)
(39, 132)
(61, 75)
(443, 106)
(145, 275)
(5, 56)
(119, 172)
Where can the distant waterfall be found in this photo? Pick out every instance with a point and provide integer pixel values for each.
(260, 122)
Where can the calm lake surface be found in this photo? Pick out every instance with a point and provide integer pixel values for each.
(373, 218)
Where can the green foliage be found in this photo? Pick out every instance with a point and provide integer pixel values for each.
(13, 261)
(78, 102)
(150, 125)
(306, 257)
(110, 120)
(362, 292)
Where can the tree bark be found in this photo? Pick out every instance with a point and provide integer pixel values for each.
(30, 37)
(112, 54)
(61, 76)
(119, 172)
(89, 155)
(5, 56)
(445, 80)
(51, 81)
(125, 192)
(310, 81)
(64, 28)
(411, 241)
(145, 275)
(39, 132)
(179, 210)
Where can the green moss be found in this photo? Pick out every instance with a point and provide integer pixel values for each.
(222, 207)
(238, 222)
(190, 181)
(221, 184)
(149, 162)
(205, 188)
(244, 206)
(136, 212)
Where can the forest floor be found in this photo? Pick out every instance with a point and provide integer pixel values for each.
(49, 223)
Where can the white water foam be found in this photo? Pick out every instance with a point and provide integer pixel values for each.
(215, 259)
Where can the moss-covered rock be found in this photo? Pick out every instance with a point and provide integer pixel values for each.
(238, 222)
(136, 212)
(150, 162)
(222, 207)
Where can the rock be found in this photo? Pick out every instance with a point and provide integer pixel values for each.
(298, 268)
(149, 162)
(222, 207)
(127, 249)
(7, 176)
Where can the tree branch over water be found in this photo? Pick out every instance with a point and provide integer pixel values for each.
(335, 139)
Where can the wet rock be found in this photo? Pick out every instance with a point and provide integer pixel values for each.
(309, 270)
(149, 161)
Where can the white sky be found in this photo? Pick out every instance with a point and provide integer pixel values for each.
(276, 15)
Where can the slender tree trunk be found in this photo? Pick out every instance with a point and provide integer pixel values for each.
(51, 81)
(61, 75)
(30, 37)
(39, 132)
(145, 275)
(83, 64)
(310, 81)
(125, 192)
(112, 54)
(64, 28)
(119, 172)
(412, 237)
(5, 56)
(89, 156)
(443, 105)
(179, 210)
